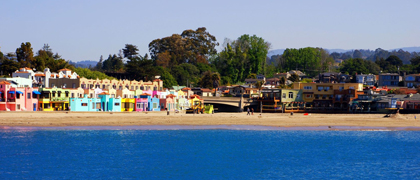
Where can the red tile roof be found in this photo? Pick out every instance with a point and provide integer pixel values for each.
(5, 82)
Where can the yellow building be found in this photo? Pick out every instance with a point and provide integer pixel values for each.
(105, 84)
(322, 94)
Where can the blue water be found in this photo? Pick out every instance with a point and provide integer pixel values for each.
(209, 154)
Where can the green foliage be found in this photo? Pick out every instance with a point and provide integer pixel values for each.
(130, 51)
(390, 64)
(89, 74)
(25, 55)
(282, 80)
(311, 61)
(242, 57)
(8, 64)
(166, 77)
(252, 76)
(114, 63)
(185, 74)
(306, 80)
(189, 47)
(141, 68)
(358, 66)
(294, 77)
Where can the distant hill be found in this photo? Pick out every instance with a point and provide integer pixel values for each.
(280, 51)
(84, 64)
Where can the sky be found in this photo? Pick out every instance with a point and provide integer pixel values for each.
(84, 30)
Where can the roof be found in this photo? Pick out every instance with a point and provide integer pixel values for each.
(205, 90)
(170, 95)
(103, 93)
(22, 72)
(64, 69)
(5, 82)
(195, 96)
(156, 80)
(144, 94)
(185, 89)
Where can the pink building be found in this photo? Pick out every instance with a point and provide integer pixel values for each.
(168, 103)
(142, 102)
(18, 99)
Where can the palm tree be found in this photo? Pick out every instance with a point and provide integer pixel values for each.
(259, 85)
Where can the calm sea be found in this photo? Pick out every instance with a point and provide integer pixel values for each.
(208, 154)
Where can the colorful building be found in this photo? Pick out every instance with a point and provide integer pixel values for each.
(54, 99)
(142, 102)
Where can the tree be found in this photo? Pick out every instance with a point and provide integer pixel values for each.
(8, 64)
(130, 51)
(99, 65)
(141, 68)
(252, 76)
(89, 74)
(167, 78)
(357, 54)
(189, 47)
(294, 77)
(282, 80)
(185, 74)
(359, 66)
(24, 55)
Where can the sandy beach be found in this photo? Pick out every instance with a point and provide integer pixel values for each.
(45, 119)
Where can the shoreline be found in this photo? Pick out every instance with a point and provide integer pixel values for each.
(210, 127)
(142, 120)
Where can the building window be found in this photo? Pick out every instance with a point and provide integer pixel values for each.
(132, 87)
(18, 106)
(284, 95)
(137, 87)
(28, 96)
(117, 104)
(103, 86)
(52, 84)
(120, 87)
(73, 85)
(72, 95)
(307, 87)
(290, 94)
(141, 88)
(320, 88)
(84, 104)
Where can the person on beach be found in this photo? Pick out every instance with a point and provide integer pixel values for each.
(252, 111)
(248, 112)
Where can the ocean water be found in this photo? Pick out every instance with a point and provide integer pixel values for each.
(208, 154)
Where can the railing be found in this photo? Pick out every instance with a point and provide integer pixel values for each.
(58, 99)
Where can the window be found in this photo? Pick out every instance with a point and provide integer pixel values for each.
(93, 105)
(28, 96)
(290, 94)
(53, 94)
(154, 105)
(112, 96)
(91, 95)
(117, 104)
(284, 95)
(320, 88)
(309, 96)
(341, 88)
(67, 94)
(98, 105)
(307, 87)
(64, 85)
(326, 88)
(114, 87)
(125, 95)
(120, 88)
(141, 88)
(18, 106)
(137, 87)
(73, 85)
(83, 86)
(84, 104)
(46, 105)
(103, 86)
(72, 95)
(132, 87)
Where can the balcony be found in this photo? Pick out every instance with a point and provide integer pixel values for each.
(59, 99)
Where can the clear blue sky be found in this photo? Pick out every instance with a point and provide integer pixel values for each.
(85, 30)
